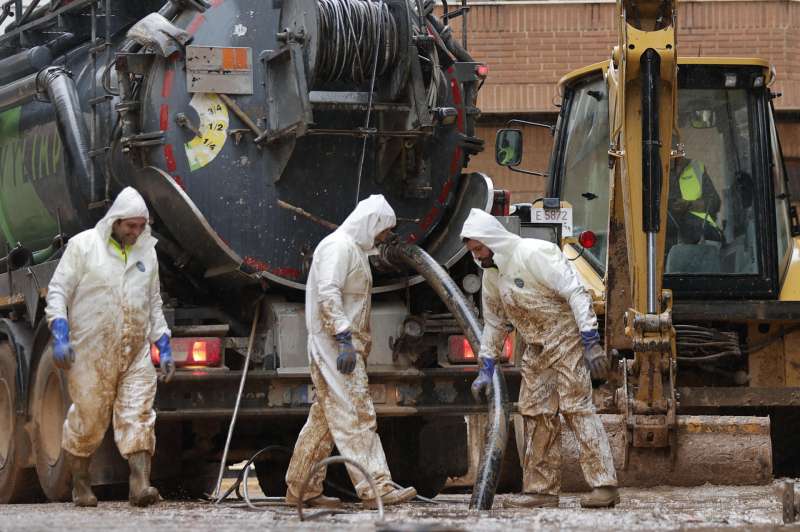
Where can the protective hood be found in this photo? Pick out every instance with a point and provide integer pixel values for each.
(129, 204)
(487, 230)
(368, 219)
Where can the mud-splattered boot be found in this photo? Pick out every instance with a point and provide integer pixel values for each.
(81, 486)
(140, 492)
(320, 501)
(396, 496)
(602, 497)
(531, 500)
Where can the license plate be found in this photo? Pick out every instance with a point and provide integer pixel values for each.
(561, 216)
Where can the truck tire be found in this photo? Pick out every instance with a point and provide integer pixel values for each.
(51, 402)
(18, 482)
(271, 474)
(196, 480)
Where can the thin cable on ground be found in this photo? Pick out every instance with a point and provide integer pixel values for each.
(417, 497)
(243, 473)
(325, 463)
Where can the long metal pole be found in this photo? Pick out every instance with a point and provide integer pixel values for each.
(215, 495)
(652, 303)
(93, 125)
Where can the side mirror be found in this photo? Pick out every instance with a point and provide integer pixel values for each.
(508, 147)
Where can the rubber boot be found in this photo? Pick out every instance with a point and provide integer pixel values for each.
(602, 497)
(320, 501)
(531, 500)
(81, 486)
(396, 496)
(140, 492)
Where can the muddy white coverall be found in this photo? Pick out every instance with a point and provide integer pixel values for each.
(337, 300)
(113, 307)
(536, 290)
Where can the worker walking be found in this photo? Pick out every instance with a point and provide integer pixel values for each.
(104, 310)
(338, 293)
(528, 284)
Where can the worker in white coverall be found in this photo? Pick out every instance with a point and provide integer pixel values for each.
(529, 285)
(337, 317)
(104, 310)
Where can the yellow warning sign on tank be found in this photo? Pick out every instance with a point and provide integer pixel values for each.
(213, 129)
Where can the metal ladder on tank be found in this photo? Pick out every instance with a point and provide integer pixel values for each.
(100, 46)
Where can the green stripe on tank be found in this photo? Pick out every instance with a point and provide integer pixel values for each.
(25, 158)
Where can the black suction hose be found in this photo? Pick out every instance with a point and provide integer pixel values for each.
(60, 88)
(452, 45)
(418, 260)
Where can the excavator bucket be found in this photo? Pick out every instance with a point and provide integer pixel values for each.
(730, 450)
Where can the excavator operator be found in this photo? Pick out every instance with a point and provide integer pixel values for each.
(693, 200)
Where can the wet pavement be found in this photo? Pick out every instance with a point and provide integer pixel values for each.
(663, 508)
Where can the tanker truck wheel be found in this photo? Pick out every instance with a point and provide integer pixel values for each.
(50, 405)
(271, 473)
(17, 481)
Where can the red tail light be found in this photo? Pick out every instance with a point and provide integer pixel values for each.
(587, 239)
(482, 71)
(192, 352)
(460, 352)
(502, 203)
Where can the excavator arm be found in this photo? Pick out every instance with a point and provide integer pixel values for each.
(658, 446)
(644, 73)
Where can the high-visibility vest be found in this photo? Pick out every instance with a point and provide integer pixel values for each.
(690, 182)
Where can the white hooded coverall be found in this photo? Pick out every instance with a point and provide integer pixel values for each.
(536, 290)
(113, 306)
(337, 300)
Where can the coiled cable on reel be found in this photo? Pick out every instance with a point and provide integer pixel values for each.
(350, 32)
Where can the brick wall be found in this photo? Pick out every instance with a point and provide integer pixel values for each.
(529, 46)
(535, 156)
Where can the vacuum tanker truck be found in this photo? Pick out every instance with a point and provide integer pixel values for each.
(250, 127)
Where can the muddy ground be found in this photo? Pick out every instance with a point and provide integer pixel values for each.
(664, 508)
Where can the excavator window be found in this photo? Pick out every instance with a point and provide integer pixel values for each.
(727, 224)
(782, 199)
(585, 165)
(711, 223)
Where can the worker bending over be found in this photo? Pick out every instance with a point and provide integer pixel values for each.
(337, 317)
(528, 284)
(104, 310)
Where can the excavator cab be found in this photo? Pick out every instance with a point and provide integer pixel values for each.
(728, 231)
(724, 235)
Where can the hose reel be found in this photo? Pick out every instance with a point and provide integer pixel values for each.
(339, 38)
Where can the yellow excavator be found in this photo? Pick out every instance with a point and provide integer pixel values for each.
(670, 170)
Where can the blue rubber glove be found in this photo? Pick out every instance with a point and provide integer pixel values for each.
(166, 364)
(483, 384)
(346, 361)
(63, 355)
(594, 355)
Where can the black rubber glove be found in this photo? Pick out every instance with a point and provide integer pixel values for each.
(594, 355)
(346, 361)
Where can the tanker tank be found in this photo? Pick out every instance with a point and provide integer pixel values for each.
(251, 128)
(220, 112)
